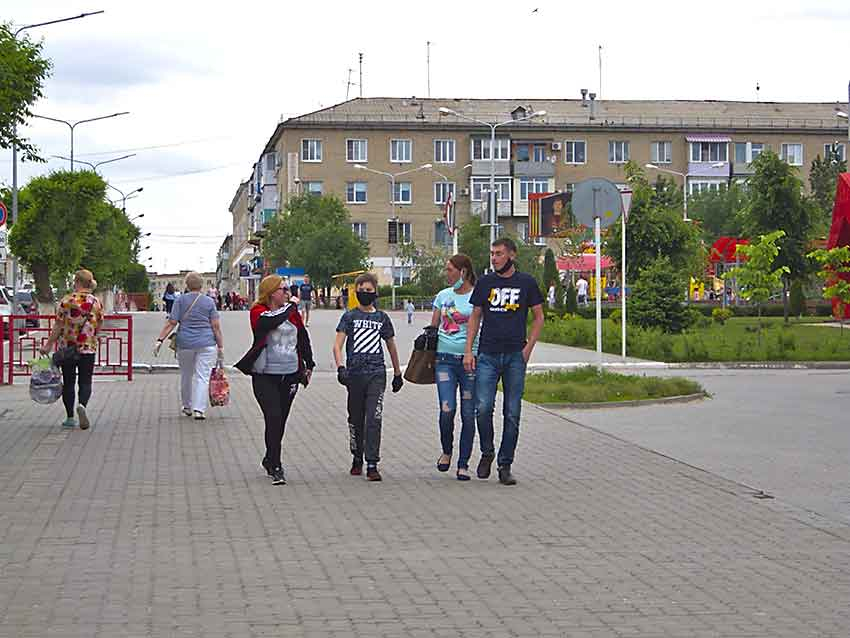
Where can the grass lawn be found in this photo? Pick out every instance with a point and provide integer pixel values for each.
(585, 385)
(739, 339)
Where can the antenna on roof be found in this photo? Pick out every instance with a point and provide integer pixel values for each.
(599, 92)
(360, 56)
(758, 88)
(349, 84)
(428, 64)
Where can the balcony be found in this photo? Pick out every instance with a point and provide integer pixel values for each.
(742, 168)
(708, 169)
(503, 209)
(534, 169)
(482, 167)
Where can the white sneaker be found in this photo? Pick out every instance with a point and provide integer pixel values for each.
(187, 411)
(199, 416)
(84, 418)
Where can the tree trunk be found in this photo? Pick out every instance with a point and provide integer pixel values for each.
(785, 309)
(43, 291)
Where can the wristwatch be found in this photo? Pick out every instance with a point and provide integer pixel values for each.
(159, 340)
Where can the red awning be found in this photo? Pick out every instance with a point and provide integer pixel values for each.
(583, 263)
(723, 250)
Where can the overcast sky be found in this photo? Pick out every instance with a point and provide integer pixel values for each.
(206, 86)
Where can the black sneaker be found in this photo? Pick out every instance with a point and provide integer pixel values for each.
(268, 467)
(483, 471)
(277, 476)
(505, 476)
(356, 468)
(372, 474)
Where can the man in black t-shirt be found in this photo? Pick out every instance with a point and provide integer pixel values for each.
(306, 295)
(501, 301)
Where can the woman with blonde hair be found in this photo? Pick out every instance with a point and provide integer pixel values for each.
(199, 344)
(78, 318)
(279, 359)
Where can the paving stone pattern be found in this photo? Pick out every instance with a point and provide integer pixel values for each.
(152, 524)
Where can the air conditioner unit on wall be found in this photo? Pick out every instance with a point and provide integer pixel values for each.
(464, 192)
(556, 146)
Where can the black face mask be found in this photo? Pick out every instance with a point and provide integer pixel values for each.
(365, 298)
(508, 264)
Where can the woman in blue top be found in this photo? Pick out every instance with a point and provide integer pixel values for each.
(451, 316)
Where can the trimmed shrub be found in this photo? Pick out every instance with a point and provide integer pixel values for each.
(656, 299)
(721, 315)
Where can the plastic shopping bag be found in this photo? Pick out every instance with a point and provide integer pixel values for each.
(219, 388)
(45, 382)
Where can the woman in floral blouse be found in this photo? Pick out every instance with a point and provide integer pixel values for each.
(78, 319)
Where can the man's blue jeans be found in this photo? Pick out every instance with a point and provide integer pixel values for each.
(450, 377)
(509, 367)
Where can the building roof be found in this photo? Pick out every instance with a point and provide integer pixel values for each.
(683, 114)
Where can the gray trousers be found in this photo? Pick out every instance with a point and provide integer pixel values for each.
(365, 412)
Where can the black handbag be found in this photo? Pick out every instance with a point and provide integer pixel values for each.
(68, 353)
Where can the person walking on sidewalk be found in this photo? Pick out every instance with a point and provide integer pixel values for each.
(501, 301)
(168, 298)
(451, 318)
(361, 329)
(280, 358)
(306, 292)
(78, 319)
(199, 344)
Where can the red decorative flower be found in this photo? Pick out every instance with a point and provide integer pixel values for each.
(75, 312)
(81, 338)
(86, 306)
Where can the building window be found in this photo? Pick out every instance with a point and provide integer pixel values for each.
(359, 229)
(532, 185)
(746, 152)
(661, 152)
(403, 193)
(311, 150)
(530, 152)
(522, 232)
(355, 192)
(271, 161)
(575, 151)
(405, 232)
(481, 149)
(401, 151)
(441, 234)
(313, 188)
(792, 153)
(709, 151)
(356, 151)
(441, 191)
(834, 149)
(444, 151)
(481, 185)
(695, 187)
(618, 152)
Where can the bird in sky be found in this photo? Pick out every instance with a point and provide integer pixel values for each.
(535, 10)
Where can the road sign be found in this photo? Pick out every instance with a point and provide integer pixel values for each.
(597, 198)
(4, 214)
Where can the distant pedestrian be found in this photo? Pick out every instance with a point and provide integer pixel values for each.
(199, 344)
(410, 309)
(364, 374)
(581, 290)
(280, 358)
(78, 319)
(306, 292)
(294, 290)
(501, 301)
(550, 297)
(168, 298)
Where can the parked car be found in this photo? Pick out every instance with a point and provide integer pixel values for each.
(26, 304)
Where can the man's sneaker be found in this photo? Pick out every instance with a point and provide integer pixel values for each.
(277, 476)
(187, 411)
(505, 476)
(69, 422)
(267, 465)
(84, 418)
(199, 416)
(484, 464)
(356, 468)
(372, 474)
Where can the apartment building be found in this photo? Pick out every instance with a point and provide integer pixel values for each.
(342, 150)
(159, 281)
(244, 261)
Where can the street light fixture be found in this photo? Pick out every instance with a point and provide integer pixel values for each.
(446, 180)
(684, 177)
(394, 218)
(125, 197)
(491, 196)
(73, 125)
(96, 164)
(14, 136)
(132, 219)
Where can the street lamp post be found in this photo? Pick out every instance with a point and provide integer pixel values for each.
(452, 230)
(491, 197)
(15, 146)
(845, 116)
(124, 197)
(96, 164)
(684, 177)
(73, 125)
(393, 219)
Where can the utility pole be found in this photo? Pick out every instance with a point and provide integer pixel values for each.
(360, 56)
(428, 64)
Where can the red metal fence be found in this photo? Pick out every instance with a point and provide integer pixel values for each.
(114, 355)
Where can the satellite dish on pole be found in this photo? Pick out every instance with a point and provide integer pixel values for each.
(597, 198)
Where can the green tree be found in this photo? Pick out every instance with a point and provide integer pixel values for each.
(113, 247)
(758, 277)
(656, 297)
(719, 212)
(314, 232)
(550, 268)
(833, 263)
(777, 203)
(655, 228)
(136, 279)
(571, 300)
(822, 178)
(528, 261)
(429, 267)
(474, 242)
(23, 71)
(55, 227)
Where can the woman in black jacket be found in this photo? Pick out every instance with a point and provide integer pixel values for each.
(279, 359)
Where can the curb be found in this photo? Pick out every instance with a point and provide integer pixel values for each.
(700, 365)
(636, 403)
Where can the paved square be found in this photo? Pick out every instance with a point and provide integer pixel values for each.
(151, 524)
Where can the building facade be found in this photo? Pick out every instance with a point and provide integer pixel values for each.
(338, 150)
(159, 281)
(224, 273)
